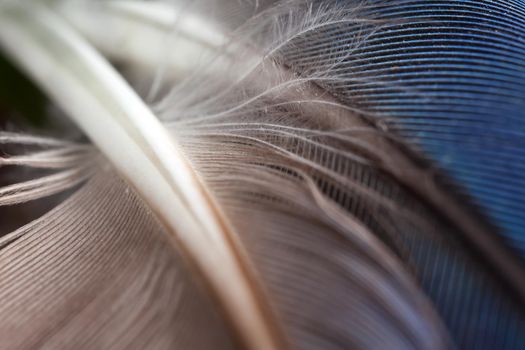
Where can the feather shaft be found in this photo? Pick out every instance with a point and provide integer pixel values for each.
(79, 80)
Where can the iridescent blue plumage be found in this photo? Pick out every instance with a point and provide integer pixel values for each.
(449, 77)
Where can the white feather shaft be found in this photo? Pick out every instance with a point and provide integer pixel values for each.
(98, 99)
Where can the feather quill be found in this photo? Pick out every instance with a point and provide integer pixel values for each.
(110, 113)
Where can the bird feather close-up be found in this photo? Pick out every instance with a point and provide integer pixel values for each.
(262, 174)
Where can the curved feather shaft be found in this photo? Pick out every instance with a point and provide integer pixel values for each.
(97, 98)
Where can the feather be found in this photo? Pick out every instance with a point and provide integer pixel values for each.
(112, 107)
(258, 198)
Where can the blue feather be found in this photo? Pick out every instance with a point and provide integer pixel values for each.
(449, 77)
